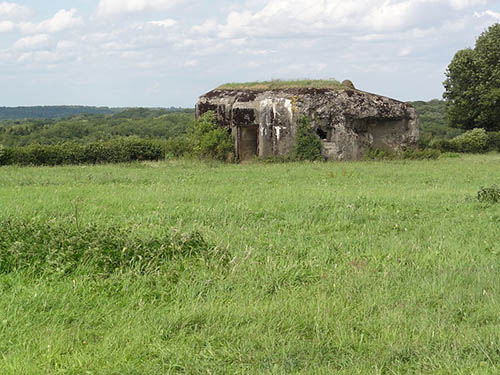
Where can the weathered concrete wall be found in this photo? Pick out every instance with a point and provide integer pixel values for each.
(348, 121)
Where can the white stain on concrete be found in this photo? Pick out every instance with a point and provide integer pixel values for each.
(289, 106)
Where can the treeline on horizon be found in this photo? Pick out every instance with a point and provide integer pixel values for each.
(56, 125)
(86, 127)
(59, 111)
(56, 111)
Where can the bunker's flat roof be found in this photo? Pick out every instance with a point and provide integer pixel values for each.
(279, 84)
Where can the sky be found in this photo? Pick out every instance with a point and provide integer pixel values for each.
(163, 53)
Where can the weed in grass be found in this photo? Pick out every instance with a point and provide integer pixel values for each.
(489, 194)
(50, 247)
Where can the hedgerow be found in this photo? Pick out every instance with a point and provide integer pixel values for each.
(117, 150)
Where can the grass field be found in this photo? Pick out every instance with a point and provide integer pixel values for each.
(300, 268)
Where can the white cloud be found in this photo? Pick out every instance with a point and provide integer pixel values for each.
(461, 4)
(64, 19)
(165, 23)
(112, 7)
(7, 26)
(191, 63)
(65, 44)
(32, 42)
(405, 51)
(208, 26)
(287, 17)
(488, 13)
(12, 11)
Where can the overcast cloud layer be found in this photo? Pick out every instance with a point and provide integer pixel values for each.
(168, 52)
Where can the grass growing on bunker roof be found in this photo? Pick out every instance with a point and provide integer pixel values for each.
(280, 84)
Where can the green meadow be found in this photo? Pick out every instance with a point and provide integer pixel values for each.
(184, 267)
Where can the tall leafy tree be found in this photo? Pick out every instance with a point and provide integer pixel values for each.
(472, 85)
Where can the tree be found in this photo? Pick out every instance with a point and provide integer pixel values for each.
(472, 85)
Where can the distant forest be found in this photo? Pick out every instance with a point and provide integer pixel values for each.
(83, 128)
(433, 120)
(42, 112)
(59, 124)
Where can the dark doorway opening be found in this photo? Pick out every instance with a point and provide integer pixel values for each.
(248, 142)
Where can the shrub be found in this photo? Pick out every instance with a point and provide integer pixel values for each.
(416, 154)
(378, 154)
(209, 140)
(472, 141)
(443, 145)
(117, 150)
(307, 144)
(409, 154)
(177, 147)
(489, 194)
(3, 155)
(493, 142)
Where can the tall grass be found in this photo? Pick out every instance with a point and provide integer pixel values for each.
(303, 268)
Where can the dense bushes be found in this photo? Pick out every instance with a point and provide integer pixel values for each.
(307, 145)
(118, 150)
(472, 141)
(210, 141)
(493, 141)
(177, 147)
(3, 155)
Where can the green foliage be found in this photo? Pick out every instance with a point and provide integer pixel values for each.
(493, 142)
(307, 144)
(3, 155)
(177, 147)
(472, 85)
(140, 122)
(418, 154)
(409, 154)
(209, 140)
(473, 141)
(433, 122)
(277, 159)
(117, 150)
(489, 194)
(379, 154)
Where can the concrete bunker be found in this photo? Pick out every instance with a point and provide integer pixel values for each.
(348, 121)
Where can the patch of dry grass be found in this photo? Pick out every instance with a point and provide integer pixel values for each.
(279, 84)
